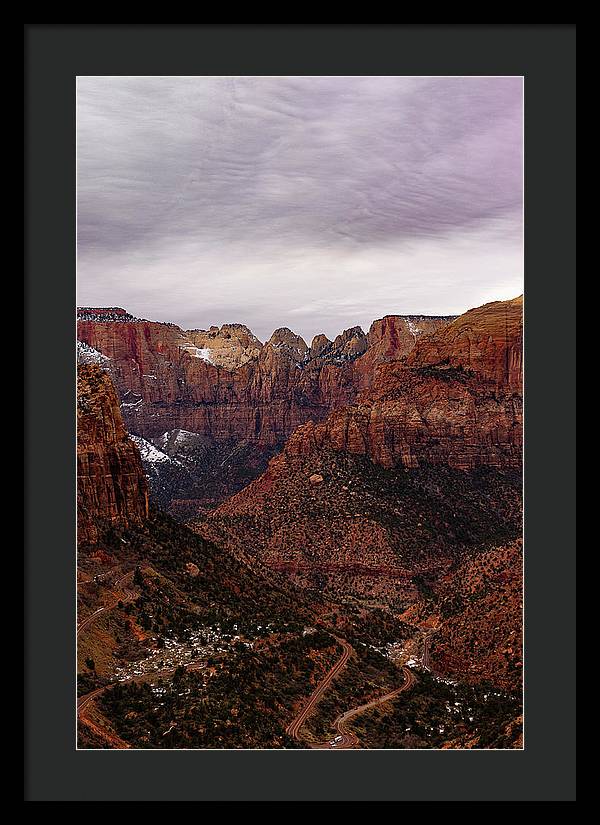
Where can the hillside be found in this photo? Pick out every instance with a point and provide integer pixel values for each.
(422, 469)
(381, 541)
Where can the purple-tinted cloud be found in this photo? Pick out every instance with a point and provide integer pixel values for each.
(311, 202)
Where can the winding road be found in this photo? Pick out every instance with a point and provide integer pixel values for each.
(346, 739)
(293, 729)
(125, 596)
(84, 701)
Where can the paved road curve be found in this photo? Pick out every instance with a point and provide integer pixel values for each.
(126, 595)
(293, 729)
(84, 701)
(348, 738)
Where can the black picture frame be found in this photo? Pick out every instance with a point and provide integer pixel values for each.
(544, 54)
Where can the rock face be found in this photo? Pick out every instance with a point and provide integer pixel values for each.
(486, 342)
(231, 390)
(422, 469)
(456, 399)
(111, 486)
(229, 346)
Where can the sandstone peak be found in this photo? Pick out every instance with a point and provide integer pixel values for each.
(486, 340)
(351, 342)
(392, 329)
(320, 343)
(352, 332)
(287, 340)
(229, 346)
(111, 489)
(233, 330)
(348, 345)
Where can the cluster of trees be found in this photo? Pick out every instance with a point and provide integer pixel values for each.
(365, 677)
(245, 704)
(86, 682)
(224, 588)
(428, 716)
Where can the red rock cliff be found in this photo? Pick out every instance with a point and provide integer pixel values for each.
(421, 470)
(111, 486)
(456, 399)
(224, 383)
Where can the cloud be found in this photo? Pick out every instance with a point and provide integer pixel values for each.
(306, 201)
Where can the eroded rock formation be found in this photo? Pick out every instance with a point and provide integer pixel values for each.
(111, 486)
(231, 390)
(424, 467)
(456, 399)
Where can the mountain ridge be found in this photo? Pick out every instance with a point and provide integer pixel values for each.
(230, 389)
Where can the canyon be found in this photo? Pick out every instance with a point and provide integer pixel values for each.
(425, 463)
(228, 400)
(367, 487)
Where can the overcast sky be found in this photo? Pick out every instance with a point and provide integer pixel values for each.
(316, 203)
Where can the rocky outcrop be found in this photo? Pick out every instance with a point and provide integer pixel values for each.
(347, 346)
(231, 390)
(423, 468)
(229, 346)
(288, 343)
(455, 399)
(486, 342)
(111, 486)
(392, 338)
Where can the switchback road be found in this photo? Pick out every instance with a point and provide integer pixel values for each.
(346, 738)
(293, 729)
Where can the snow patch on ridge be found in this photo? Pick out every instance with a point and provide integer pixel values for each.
(183, 437)
(89, 355)
(149, 452)
(204, 353)
(413, 328)
(176, 438)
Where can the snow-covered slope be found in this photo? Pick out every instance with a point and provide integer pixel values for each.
(89, 355)
(149, 453)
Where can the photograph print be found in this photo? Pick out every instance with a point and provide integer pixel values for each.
(299, 356)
